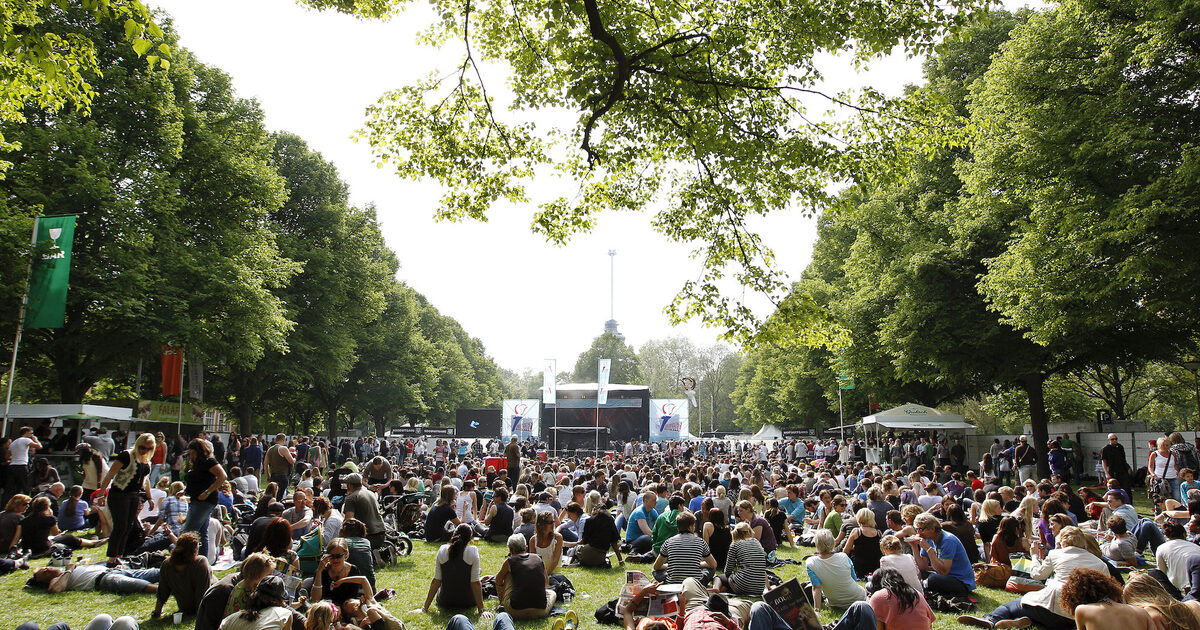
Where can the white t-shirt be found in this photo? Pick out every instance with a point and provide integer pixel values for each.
(20, 450)
(470, 556)
(156, 497)
(907, 567)
(1172, 559)
(273, 618)
(332, 526)
(463, 507)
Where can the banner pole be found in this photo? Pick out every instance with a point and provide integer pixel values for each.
(12, 366)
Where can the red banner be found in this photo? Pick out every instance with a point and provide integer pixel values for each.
(172, 370)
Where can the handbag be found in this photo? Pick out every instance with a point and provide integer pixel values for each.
(992, 574)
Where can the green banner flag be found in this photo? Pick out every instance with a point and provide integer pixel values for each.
(51, 272)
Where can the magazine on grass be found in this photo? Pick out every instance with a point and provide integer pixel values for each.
(789, 601)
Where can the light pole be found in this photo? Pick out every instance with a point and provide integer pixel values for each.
(1194, 367)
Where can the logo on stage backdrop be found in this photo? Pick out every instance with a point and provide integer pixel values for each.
(521, 418)
(668, 419)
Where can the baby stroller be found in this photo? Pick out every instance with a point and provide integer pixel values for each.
(402, 517)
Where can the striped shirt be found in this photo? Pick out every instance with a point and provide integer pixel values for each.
(684, 552)
(171, 511)
(746, 567)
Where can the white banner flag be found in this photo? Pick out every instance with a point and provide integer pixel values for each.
(549, 382)
(668, 419)
(520, 418)
(602, 382)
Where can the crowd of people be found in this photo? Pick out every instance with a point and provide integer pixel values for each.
(900, 528)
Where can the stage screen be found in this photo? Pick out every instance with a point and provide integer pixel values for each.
(477, 423)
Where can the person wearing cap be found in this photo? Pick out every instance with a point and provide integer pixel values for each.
(267, 608)
(362, 504)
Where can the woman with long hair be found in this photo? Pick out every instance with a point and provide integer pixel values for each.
(547, 542)
(1008, 540)
(745, 565)
(1143, 591)
(43, 475)
(717, 534)
(456, 574)
(265, 499)
(185, 574)
(1045, 532)
(862, 545)
(897, 604)
(129, 476)
(39, 530)
(988, 523)
(1027, 513)
(93, 469)
(73, 510)
(203, 480)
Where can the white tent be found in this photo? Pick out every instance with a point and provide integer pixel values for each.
(767, 433)
(912, 416)
(21, 411)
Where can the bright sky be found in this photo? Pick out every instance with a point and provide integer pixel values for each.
(315, 73)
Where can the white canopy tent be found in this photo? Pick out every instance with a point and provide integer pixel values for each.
(911, 417)
(767, 433)
(916, 417)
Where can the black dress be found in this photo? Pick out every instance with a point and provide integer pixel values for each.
(718, 543)
(866, 554)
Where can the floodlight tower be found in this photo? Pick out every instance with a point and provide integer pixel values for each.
(610, 326)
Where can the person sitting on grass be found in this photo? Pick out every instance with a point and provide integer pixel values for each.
(1146, 592)
(599, 535)
(336, 579)
(1093, 598)
(39, 531)
(897, 605)
(684, 555)
(232, 592)
(640, 524)
(266, 610)
(745, 564)
(10, 522)
(1044, 607)
(456, 574)
(185, 574)
(831, 574)
(73, 511)
(943, 557)
(521, 582)
(894, 558)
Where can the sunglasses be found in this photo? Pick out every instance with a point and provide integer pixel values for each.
(336, 556)
(145, 448)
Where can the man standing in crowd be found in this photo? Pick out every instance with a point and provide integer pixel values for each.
(279, 465)
(1116, 466)
(512, 453)
(363, 505)
(17, 478)
(1026, 457)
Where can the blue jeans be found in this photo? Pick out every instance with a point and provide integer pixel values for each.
(197, 521)
(859, 616)
(126, 581)
(502, 622)
(1040, 616)
(1147, 532)
(1173, 484)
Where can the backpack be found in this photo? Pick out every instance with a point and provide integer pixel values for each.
(1186, 457)
(310, 551)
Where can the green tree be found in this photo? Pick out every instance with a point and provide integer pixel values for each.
(625, 368)
(50, 59)
(153, 261)
(1092, 160)
(700, 111)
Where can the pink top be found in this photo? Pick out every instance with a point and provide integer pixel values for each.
(887, 611)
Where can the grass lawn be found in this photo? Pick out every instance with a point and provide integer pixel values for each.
(410, 577)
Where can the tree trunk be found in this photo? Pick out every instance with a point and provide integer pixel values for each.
(244, 414)
(379, 428)
(331, 418)
(1034, 384)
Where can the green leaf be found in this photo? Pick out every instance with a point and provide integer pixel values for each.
(141, 46)
(164, 49)
(132, 29)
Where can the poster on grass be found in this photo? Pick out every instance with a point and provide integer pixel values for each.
(520, 418)
(50, 272)
(668, 419)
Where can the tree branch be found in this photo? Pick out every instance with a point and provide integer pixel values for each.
(601, 34)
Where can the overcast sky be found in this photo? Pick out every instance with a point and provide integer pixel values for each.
(315, 73)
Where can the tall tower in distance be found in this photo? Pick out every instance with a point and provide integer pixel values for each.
(610, 326)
